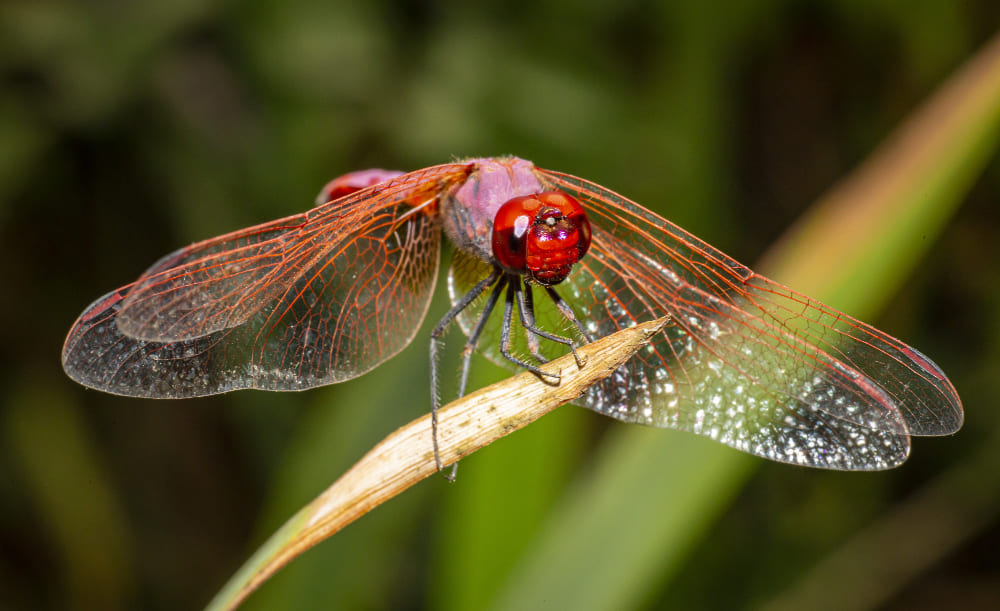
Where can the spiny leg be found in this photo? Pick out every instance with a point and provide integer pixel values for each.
(567, 312)
(525, 304)
(513, 283)
(436, 334)
(470, 344)
(528, 316)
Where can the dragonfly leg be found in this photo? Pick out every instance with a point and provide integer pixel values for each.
(513, 283)
(436, 334)
(470, 344)
(567, 312)
(525, 303)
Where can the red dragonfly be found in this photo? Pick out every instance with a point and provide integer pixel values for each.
(329, 294)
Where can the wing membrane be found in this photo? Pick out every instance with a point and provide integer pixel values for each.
(308, 300)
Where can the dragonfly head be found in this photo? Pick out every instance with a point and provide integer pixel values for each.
(541, 235)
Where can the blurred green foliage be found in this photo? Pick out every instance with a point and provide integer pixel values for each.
(130, 129)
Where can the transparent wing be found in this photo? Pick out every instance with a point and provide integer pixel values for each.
(300, 302)
(745, 361)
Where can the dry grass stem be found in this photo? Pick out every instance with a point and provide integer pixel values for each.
(406, 456)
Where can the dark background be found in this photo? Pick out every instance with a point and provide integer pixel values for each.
(128, 129)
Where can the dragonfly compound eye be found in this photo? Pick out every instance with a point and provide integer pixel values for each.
(541, 235)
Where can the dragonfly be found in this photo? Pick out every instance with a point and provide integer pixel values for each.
(327, 295)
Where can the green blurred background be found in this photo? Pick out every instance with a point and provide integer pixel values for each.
(128, 129)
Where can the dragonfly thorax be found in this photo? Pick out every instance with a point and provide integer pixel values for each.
(468, 210)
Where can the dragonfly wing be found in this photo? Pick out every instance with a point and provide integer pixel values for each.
(309, 300)
(745, 361)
